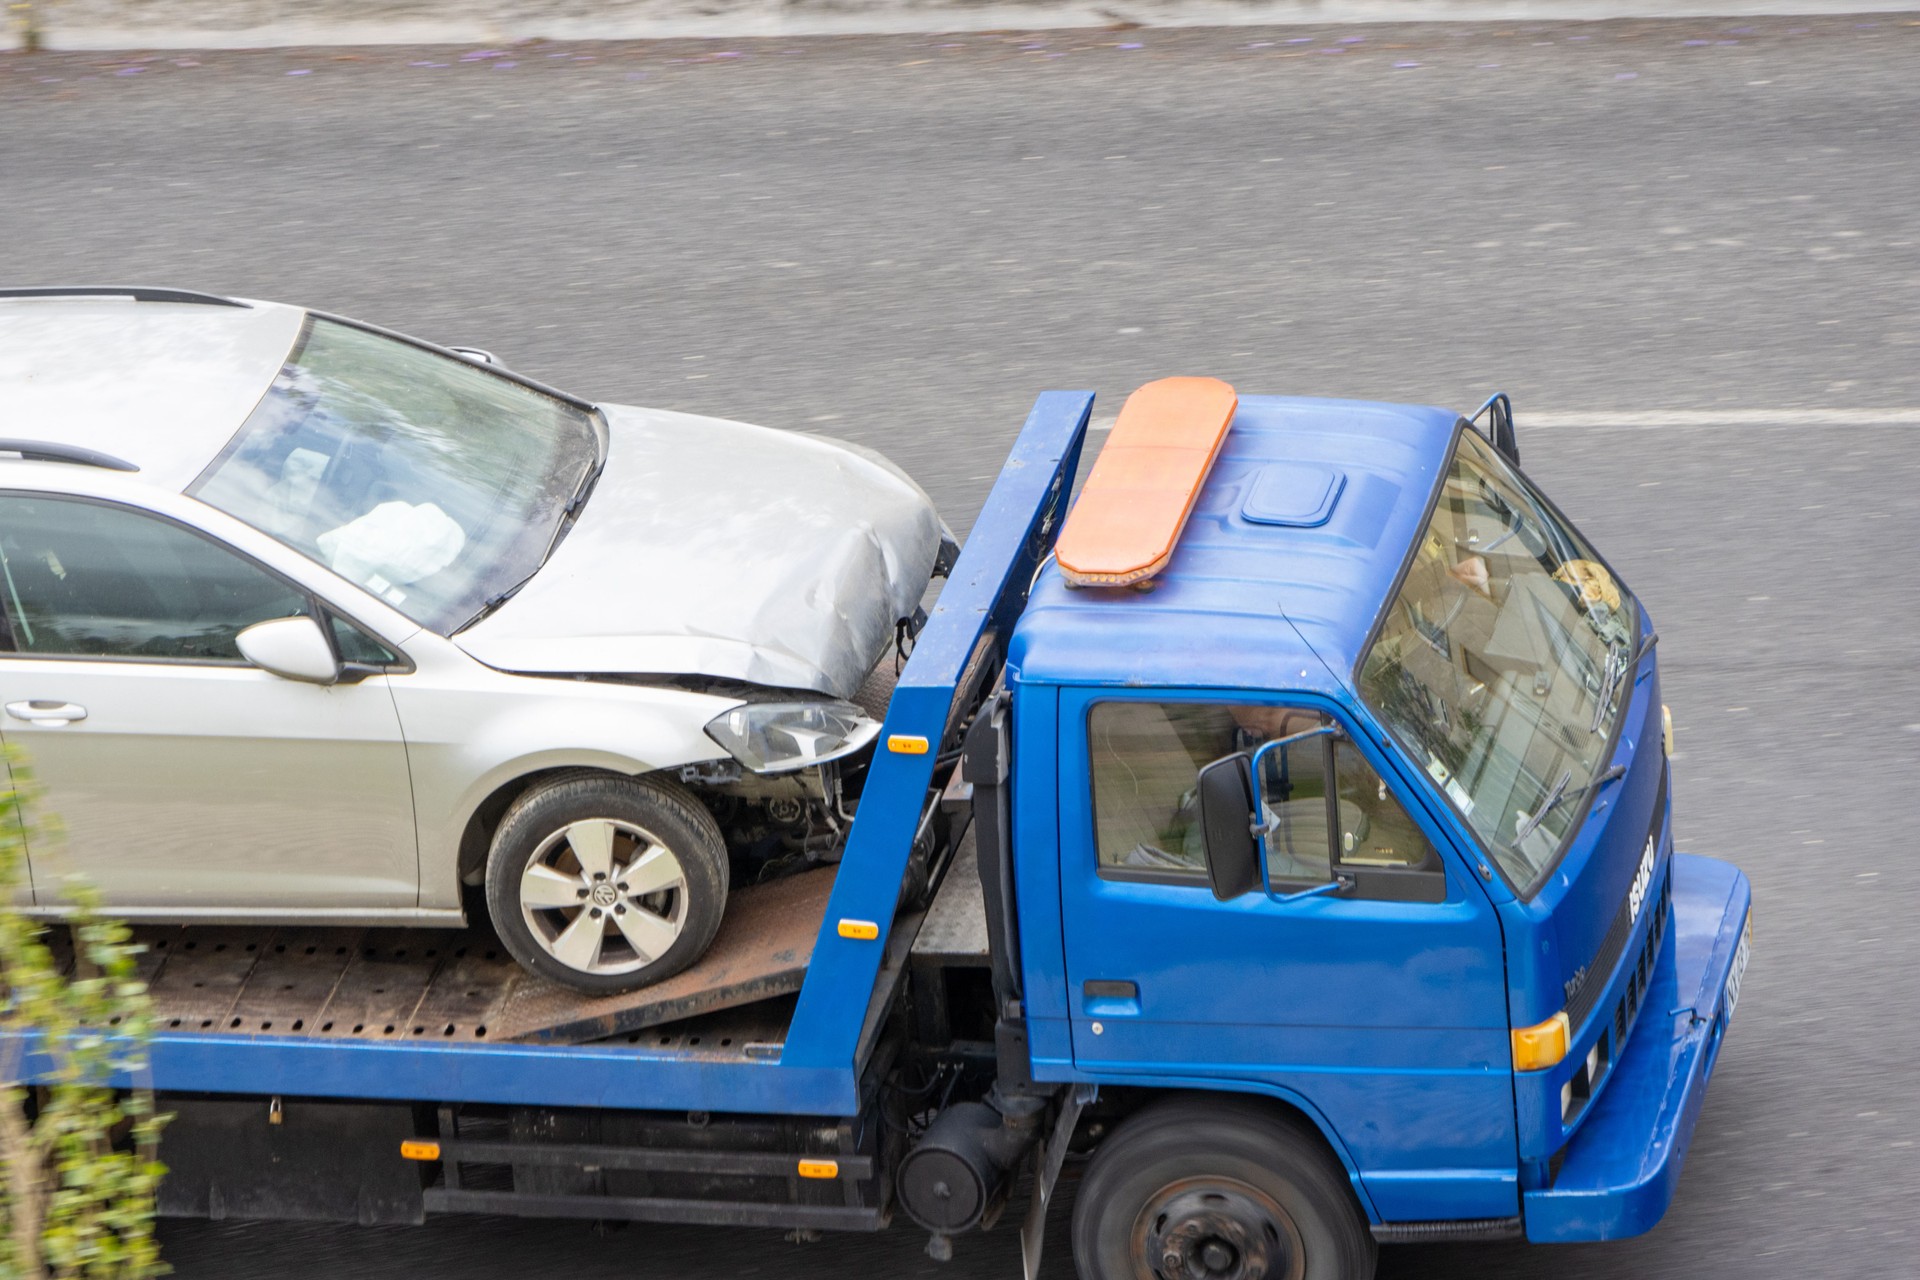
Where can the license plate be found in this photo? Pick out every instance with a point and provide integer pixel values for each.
(1739, 967)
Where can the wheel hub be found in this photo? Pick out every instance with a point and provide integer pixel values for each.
(1219, 1230)
(603, 896)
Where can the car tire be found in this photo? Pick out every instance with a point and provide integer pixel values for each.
(606, 883)
(1219, 1187)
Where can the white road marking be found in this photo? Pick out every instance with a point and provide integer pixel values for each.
(1663, 419)
(1667, 418)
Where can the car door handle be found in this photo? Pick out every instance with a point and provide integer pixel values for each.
(46, 714)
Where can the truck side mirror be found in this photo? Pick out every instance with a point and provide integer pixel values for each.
(1499, 411)
(1226, 823)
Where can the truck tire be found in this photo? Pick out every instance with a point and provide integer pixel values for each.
(607, 883)
(1218, 1189)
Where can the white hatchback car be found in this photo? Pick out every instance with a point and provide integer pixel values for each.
(309, 622)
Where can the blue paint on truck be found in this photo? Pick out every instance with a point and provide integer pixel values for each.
(1378, 1005)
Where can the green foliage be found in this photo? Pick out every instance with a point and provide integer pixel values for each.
(27, 18)
(78, 1194)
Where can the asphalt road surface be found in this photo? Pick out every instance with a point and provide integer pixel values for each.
(901, 240)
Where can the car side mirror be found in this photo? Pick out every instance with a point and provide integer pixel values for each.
(1226, 824)
(291, 648)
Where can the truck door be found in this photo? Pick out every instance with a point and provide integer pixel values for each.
(1381, 1006)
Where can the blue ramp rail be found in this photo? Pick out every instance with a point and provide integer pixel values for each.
(966, 634)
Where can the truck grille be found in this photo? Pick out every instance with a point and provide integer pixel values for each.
(1628, 1006)
(1592, 981)
(1579, 1090)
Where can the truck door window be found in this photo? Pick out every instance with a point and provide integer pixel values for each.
(1374, 830)
(1146, 761)
(1147, 758)
(1293, 804)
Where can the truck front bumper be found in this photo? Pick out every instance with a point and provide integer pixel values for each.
(1622, 1166)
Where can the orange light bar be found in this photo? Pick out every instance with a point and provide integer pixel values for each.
(1143, 486)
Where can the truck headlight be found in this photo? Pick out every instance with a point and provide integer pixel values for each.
(775, 737)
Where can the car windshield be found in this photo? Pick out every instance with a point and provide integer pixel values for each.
(1503, 661)
(432, 482)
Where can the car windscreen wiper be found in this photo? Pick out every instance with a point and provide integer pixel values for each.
(1559, 793)
(568, 514)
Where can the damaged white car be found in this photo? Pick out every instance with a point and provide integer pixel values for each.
(306, 622)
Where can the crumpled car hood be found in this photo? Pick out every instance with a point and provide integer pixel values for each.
(720, 549)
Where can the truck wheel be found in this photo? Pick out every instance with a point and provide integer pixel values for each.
(607, 883)
(1217, 1189)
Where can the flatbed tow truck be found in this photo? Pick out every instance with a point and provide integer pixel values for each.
(1241, 843)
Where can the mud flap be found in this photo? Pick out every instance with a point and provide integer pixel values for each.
(1047, 1161)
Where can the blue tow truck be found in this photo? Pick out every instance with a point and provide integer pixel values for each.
(1291, 844)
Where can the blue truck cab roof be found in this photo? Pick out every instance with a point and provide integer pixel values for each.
(1294, 543)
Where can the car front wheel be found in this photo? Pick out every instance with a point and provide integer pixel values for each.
(607, 883)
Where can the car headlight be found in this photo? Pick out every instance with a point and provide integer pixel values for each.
(774, 737)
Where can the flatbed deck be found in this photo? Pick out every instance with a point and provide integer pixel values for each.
(455, 987)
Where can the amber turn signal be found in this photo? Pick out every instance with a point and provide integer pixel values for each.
(1543, 1045)
(419, 1151)
(819, 1168)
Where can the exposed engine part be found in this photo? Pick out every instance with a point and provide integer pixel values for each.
(957, 1176)
(775, 824)
(711, 773)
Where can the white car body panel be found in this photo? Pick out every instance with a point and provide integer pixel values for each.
(716, 548)
(471, 730)
(162, 385)
(196, 784)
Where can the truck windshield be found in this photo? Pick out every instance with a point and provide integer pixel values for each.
(431, 482)
(1502, 662)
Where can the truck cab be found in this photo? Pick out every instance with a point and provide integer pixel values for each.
(1359, 804)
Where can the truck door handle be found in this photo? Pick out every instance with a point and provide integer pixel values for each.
(46, 714)
(1110, 999)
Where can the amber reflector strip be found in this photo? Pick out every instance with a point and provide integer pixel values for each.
(1143, 486)
(1544, 1045)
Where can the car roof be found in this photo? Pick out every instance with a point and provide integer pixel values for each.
(1246, 602)
(161, 384)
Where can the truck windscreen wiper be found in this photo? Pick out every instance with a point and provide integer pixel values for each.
(1559, 792)
(1610, 677)
(1616, 670)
